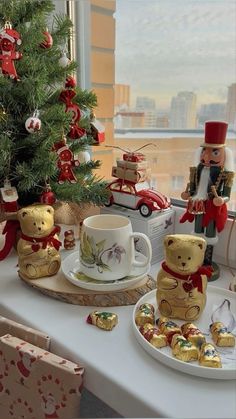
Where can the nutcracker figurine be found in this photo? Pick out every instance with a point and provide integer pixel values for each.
(209, 188)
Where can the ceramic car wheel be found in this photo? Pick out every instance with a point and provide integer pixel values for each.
(108, 203)
(144, 210)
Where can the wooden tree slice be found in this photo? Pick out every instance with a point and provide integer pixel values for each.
(58, 287)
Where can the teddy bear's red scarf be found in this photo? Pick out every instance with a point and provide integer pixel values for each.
(10, 232)
(193, 280)
(48, 240)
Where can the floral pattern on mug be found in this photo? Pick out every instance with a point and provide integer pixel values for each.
(95, 253)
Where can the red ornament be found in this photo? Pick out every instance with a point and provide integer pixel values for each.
(66, 96)
(33, 123)
(9, 38)
(97, 131)
(76, 132)
(70, 82)
(48, 40)
(66, 162)
(48, 197)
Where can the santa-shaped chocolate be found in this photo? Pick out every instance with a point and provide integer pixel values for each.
(209, 187)
(8, 198)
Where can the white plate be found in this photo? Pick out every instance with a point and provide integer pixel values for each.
(215, 297)
(71, 269)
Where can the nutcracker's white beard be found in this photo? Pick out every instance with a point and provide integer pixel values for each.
(202, 185)
(202, 194)
(229, 160)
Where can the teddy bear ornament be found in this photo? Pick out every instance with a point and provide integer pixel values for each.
(38, 247)
(182, 280)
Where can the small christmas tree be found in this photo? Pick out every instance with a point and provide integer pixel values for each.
(45, 120)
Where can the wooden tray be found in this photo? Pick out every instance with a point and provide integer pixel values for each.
(58, 287)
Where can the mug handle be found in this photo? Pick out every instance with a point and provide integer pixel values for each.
(148, 247)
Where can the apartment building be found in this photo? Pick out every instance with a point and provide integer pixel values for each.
(183, 110)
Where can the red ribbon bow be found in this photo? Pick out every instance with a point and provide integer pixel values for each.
(48, 240)
(66, 96)
(193, 280)
(76, 132)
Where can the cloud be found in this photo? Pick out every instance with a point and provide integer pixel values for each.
(172, 44)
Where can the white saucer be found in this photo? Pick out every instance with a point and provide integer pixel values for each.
(71, 269)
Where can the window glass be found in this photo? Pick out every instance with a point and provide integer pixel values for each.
(115, 186)
(175, 69)
(142, 185)
(127, 188)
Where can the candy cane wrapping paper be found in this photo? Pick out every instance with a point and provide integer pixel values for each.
(37, 384)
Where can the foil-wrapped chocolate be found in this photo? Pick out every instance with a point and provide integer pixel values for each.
(193, 334)
(183, 349)
(153, 335)
(168, 328)
(103, 319)
(221, 336)
(145, 314)
(209, 356)
(145, 327)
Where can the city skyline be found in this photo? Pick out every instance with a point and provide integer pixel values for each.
(193, 38)
(183, 113)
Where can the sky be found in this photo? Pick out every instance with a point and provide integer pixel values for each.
(167, 46)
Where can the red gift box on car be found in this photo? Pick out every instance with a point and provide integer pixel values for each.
(135, 157)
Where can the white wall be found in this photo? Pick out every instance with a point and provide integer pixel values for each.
(60, 6)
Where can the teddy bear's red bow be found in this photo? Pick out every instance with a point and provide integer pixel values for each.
(48, 240)
(193, 280)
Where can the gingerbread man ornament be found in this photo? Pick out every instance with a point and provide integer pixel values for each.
(9, 38)
(65, 163)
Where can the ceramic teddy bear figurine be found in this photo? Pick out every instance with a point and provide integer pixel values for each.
(38, 247)
(182, 280)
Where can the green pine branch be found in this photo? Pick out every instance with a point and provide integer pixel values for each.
(29, 160)
(24, 10)
(62, 29)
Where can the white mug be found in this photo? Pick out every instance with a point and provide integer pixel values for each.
(107, 249)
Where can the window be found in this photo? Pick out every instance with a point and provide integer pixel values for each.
(127, 188)
(177, 183)
(175, 69)
(171, 69)
(115, 186)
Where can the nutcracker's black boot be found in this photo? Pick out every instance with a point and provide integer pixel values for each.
(208, 255)
(208, 262)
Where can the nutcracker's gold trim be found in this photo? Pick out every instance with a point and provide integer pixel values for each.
(193, 172)
(229, 178)
(212, 145)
